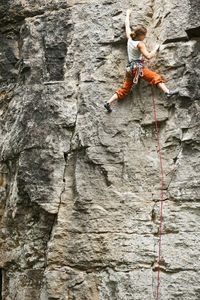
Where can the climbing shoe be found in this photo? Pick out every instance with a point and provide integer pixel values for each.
(107, 106)
(171, 94)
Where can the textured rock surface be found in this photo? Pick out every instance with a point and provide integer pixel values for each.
(80, 189)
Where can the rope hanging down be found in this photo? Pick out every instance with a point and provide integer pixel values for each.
(160, 235)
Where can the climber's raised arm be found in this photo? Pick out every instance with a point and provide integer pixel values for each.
(149, 55)
(127, 23)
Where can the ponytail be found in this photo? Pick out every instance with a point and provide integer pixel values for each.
(133, 35)
(139, 30)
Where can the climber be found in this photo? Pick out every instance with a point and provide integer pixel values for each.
(135, 67)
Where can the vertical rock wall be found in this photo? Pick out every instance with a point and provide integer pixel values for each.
(80, 189)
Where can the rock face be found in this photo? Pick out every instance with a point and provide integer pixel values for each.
(80, 189)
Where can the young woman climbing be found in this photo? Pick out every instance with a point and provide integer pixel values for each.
(135, 67)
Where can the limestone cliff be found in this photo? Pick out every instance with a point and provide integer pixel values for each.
(80, 188)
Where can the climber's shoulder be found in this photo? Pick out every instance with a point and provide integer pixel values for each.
(141, 45)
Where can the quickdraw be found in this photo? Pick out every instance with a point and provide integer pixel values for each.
(138, 65)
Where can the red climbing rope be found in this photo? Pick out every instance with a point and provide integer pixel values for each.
(160, 235)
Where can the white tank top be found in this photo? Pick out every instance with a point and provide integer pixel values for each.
(133, 51)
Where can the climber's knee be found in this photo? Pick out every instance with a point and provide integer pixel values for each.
(125, 90)
(121, 94)
(158, 79)
(161, 81)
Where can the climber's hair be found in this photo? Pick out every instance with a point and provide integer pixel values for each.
(139, 30)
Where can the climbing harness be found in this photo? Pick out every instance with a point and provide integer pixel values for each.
(162, 173)
(137, 64)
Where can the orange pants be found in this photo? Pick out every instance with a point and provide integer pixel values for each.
(148, 75)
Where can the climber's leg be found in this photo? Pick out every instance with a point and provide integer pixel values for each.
(128, 83)
(113, 98)
(157, 80)
(108, 103)
(167, 92)
(121, 93)
(163, 87)
(153, 78)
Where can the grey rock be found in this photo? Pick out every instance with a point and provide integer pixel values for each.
(80, 189)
